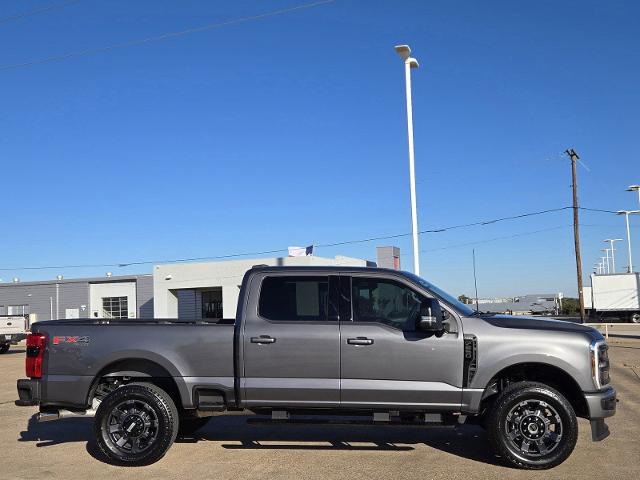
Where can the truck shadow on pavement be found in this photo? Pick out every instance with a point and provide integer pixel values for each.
(232, 432)
(467, 441)
(47, 434)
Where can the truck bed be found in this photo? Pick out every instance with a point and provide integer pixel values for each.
(79, 350)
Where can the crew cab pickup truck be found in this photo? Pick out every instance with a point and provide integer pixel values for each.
(357, 345)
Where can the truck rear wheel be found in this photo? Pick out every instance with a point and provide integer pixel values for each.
(635, 318)
(532, 426)
(136, 424)
(4, 348)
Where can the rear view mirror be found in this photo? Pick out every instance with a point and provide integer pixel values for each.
(430, 319)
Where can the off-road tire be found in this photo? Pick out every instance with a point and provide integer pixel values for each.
(515, 398)
(4, 348)
(190, 425)
(131, 408)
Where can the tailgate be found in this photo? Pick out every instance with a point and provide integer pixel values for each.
(12, 326)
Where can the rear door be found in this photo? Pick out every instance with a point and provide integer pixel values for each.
(387, 363)
(291, 349)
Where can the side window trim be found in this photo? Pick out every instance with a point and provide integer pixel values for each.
(345, 301)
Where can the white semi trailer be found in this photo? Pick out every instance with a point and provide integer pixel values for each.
(614, 297)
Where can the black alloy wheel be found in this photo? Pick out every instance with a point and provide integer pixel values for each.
(136, 424)
(532, 426)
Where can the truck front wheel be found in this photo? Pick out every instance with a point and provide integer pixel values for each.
(532, 426)
(136, 424)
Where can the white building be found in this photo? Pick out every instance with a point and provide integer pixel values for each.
(210, 290)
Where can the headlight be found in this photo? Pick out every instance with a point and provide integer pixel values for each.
(600, 363)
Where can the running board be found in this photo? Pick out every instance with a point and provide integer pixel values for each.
(378, 420)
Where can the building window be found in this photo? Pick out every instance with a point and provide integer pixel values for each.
(18, 310)
(294, 298)
(212, 304)
(115, 307)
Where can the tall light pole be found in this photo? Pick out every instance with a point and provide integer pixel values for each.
(606, 250)
(634, 188)
(405, 53)
(626, 214)
(611, 241)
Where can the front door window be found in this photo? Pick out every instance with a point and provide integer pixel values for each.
(385, 301)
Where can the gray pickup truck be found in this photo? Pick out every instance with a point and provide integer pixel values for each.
(326, 344)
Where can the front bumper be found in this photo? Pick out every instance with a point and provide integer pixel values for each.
(601, 405)
(28, 392)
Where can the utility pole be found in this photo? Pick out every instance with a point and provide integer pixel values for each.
(576, 230)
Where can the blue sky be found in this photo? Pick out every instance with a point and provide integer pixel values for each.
(290, 130)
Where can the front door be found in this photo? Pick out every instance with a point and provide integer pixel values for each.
(291, 345)
(386, 362)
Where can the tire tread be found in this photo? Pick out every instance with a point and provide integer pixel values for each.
(520, 390)
(168, 436)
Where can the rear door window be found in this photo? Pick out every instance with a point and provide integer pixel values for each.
(295, 299)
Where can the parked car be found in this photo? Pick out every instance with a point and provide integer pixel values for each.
(359, 345)
(13, 329)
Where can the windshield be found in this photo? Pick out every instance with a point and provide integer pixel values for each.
(454, 302)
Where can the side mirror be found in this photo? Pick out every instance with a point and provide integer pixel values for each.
(430, 319)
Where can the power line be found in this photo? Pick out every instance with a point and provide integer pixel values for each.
(597, 210)
(496, 220)
(36, 11)
(164, 36)
(281, 250)
(495, 239)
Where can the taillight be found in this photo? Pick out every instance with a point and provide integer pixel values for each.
(35, 353)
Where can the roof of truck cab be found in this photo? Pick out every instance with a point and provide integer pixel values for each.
(325, 268)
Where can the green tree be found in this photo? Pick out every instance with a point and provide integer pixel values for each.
(570, 306)
(464, 299)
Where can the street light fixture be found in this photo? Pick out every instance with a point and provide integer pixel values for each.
(626, 214)
(635, 188)
(611, 241)
(409, 62)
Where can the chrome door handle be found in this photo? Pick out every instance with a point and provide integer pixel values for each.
(360, 341)
(263, 339)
